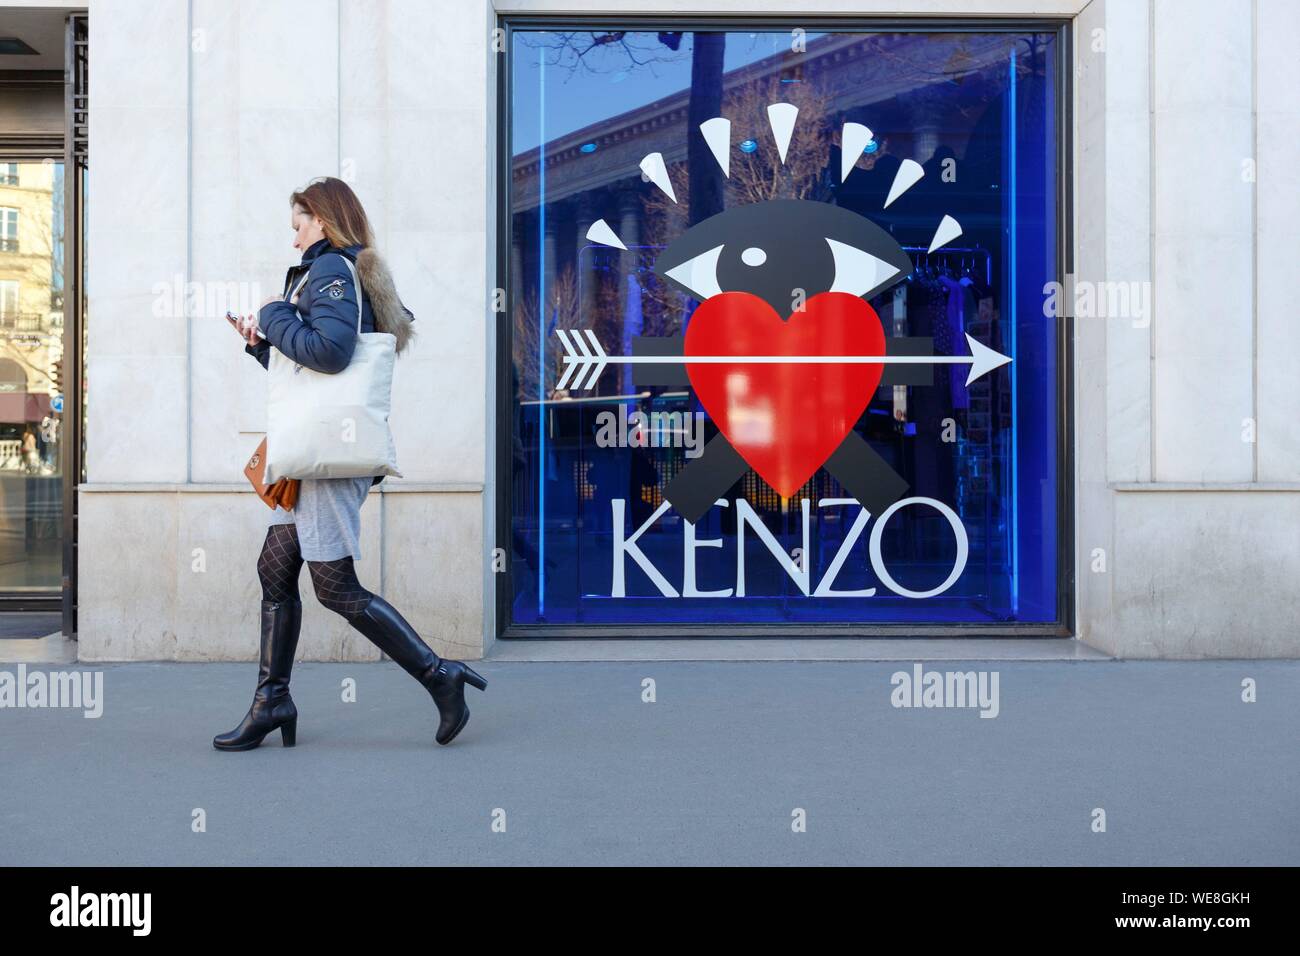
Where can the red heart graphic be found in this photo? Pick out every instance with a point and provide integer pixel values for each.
(785, 419)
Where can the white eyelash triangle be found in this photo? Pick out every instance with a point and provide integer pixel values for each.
(699, 273)
(657, 173)
(949, 229)
(601, 234)
(717, 133)
(781, 116)
(853, 141)
(908, 175)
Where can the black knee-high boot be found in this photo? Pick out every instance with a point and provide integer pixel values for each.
(444, 679)
(272, 706)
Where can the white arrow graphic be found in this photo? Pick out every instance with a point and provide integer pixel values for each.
(588, 359)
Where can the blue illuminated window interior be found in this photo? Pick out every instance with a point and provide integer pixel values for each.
(604, 125)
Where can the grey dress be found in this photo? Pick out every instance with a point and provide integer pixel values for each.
(328, 516)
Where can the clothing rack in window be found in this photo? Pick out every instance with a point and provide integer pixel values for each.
(978, 459)
(923, 257)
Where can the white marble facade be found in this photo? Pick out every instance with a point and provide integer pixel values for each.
(1188, 429)
(207, 113)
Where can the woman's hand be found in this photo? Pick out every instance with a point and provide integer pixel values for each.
(250, 328)
(236, 323)
(246, 326)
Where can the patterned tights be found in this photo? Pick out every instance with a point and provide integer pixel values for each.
(280, 563)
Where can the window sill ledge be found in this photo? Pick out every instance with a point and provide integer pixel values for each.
(1211, 486)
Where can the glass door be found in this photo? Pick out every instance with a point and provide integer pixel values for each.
(31, 370)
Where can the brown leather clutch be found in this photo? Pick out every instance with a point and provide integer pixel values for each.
(283, 492)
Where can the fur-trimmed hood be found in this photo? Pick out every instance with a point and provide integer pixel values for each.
(390, 315)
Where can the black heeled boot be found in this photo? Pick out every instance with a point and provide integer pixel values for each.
(272, 706)
(444, 679)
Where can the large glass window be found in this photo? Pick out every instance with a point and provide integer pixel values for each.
(719, 212)
(31, 368)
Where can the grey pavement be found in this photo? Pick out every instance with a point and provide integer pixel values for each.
(587, 773)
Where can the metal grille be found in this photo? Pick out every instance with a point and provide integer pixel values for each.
(78, 87)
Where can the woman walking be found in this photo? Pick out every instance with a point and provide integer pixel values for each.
(315, 325)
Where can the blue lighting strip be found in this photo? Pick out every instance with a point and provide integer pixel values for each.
(1011, 308)
(541, 333)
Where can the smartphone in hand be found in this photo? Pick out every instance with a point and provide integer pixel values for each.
(238, 322)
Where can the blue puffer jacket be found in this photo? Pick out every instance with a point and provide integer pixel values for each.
(320, 331)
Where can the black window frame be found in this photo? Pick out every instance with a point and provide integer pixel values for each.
(70, 145)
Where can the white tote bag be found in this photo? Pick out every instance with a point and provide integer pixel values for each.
(322, 425)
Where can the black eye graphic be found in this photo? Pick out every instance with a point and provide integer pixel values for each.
(769, 249)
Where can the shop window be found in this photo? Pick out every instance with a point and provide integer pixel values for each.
(688, 195)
